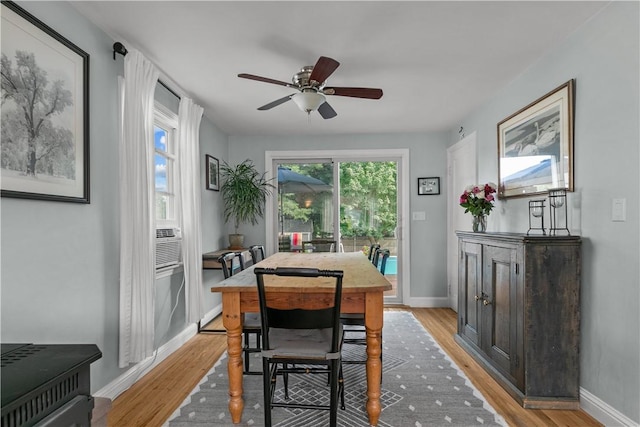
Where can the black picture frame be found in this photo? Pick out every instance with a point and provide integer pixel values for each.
(53, 165)
(429, 186)
(213, 173)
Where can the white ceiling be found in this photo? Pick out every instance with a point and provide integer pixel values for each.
(436, 61)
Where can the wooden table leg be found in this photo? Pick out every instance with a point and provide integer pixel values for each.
(232, 320)
(373, 323)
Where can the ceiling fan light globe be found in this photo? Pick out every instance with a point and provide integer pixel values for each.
(308, 101)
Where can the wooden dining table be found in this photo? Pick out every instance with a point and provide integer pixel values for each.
(362, 292)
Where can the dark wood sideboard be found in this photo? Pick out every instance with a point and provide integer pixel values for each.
(47, 385)
(519, 313)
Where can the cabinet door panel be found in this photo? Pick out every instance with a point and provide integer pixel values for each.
(501, 306)
(553, 313)
(499, 333)
(469, 291)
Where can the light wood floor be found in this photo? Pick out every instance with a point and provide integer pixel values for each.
(158, 394)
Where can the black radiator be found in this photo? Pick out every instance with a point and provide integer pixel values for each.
(47, 385)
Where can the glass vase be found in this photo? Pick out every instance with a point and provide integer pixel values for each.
(479, 223)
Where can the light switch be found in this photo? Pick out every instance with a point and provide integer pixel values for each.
(419, 216)
(619, 210)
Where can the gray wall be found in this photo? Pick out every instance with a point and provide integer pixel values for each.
(427, 158)
(214, 236)
(60, 261)
(603, 57)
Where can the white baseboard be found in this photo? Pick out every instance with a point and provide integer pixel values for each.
(130, 377)
(603, 412)
(428, 302)
(208, 317)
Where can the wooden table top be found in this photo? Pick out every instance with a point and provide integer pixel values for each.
(360, 275)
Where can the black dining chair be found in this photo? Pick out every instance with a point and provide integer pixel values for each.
(300, 341)
(375, 258)
(232, 263)
(257, 253)
(383, 256)
(372, 250)
(353, 323)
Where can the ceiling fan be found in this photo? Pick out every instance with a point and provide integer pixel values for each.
(310, 82)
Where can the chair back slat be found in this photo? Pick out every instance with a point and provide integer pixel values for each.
(372, 250)
(300, 319)
(375, 258)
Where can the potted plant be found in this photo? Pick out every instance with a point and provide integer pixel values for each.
(244, 191)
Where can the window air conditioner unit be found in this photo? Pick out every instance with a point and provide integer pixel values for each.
(168, 247)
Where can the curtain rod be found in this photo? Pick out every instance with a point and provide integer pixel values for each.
(120, 49)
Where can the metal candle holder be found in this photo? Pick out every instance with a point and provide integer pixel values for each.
(557, 202)
(536, 215)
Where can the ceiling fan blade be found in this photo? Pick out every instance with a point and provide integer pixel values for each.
(323, 69)
(276, 103)
(265, 80)
(326, 111)
(354, 92)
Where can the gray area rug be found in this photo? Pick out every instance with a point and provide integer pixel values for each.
(421, 386)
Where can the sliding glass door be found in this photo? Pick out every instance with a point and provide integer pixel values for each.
(339, 205)
(305, 207)
(368, 206)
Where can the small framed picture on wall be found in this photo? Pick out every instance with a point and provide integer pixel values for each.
(428, 186)
(213, 173)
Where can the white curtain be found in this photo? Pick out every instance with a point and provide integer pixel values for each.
(189, 116)
(137, 211)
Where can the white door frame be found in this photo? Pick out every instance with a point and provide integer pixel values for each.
(404, 231)
(470, 145)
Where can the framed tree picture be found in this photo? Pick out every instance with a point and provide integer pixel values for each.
(213, 173)
(535, 146)
(45, 111)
